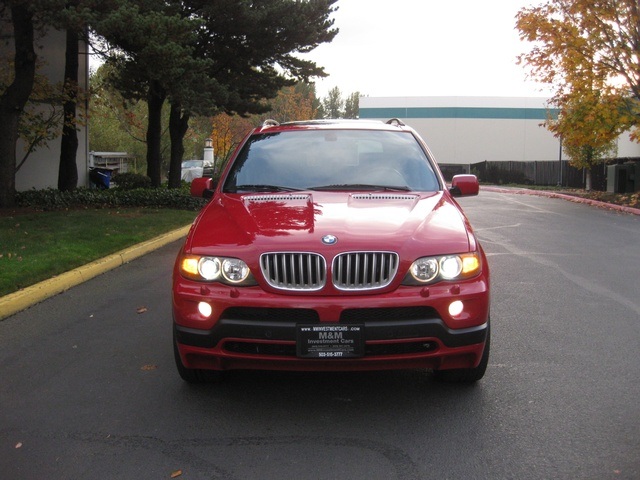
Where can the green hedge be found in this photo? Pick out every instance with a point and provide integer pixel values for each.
(52, 199)
(131, 181)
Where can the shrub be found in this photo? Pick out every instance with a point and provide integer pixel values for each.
(131, 181)
(52, 199)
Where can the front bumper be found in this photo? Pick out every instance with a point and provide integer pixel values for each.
(407, 328)
(246, 345)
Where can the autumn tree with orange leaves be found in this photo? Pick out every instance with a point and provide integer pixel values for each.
(588, 52)
(228, 132)
(293, 103)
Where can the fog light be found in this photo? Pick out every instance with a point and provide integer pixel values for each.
(456, 308)
(205, 309)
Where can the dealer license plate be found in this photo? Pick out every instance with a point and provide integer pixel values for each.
(330, 341)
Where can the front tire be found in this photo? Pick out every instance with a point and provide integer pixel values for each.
(194, 375)
(467, 375)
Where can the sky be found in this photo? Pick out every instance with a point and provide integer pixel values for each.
(397, 48)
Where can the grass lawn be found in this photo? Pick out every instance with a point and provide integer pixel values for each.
(35, 246)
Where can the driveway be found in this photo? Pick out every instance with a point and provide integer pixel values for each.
(89, 388)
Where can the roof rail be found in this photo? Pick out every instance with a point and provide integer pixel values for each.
(270, 123)
(396, 121)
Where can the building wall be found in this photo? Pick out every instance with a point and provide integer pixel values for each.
(41, 168)
(467, 130)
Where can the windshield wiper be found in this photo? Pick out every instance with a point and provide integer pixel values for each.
(261, 188)
(362, 187)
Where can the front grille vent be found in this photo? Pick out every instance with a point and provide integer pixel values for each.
(382, 196)
(364, 270)
(275, 198)
(294, 270)
(247, 347)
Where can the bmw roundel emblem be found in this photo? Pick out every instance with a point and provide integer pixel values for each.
(329, 239)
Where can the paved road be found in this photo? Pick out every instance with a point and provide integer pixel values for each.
(88, 388)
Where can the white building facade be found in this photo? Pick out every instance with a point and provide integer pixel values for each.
(470, 130)
(40, 170)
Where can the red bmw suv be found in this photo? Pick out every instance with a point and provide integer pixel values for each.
(332, 245)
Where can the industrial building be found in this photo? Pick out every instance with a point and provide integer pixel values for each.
(464, 132)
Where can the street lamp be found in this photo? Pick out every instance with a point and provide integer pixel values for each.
(208, 153)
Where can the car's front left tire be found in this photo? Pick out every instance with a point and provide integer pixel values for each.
(194, 375)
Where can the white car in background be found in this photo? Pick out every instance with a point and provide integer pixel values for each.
(194, 169)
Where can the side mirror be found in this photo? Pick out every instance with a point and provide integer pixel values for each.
(464, 186)
(202, 187)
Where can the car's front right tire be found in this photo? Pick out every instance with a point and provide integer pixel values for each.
(467, 375)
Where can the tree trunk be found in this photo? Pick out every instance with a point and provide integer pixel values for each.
(68, 169)
(587, 170)
(13, 100)
(155, 101)
(178, 125)
(587, 181)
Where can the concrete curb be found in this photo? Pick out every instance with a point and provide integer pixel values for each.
(22, 299)
(570, 198)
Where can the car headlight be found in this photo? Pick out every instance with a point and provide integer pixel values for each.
(447, 267)
(231, 271)
(234, 270)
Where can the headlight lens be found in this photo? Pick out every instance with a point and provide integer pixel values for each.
(216, 269)
(209, 268)
(450, 267)
(424, 269)
(234, 270)
(427, 270)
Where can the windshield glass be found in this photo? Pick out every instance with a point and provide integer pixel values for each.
(332, 159)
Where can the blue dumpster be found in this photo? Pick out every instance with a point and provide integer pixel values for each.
(100, 177)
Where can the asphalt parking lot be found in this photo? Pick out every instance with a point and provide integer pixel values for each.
(89, 389)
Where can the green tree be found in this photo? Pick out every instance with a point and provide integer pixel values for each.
(333, 104)
(119, 124)
(243, 75)
(217, 56)
(74, 18)
(68, 170)
(202, 56)
(352, 106)
(15, 95)
(149, 50)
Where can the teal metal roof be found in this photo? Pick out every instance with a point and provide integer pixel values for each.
(459, 112)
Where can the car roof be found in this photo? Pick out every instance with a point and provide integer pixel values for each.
(393, 124)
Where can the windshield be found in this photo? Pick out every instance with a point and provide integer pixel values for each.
(332, 159)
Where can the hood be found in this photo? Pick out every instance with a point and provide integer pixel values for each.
(430, 224)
